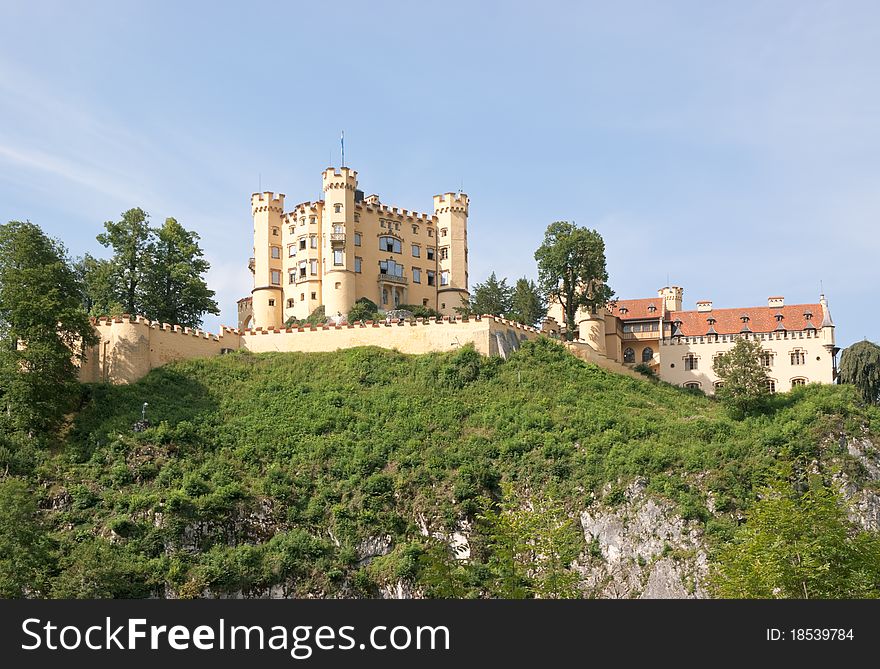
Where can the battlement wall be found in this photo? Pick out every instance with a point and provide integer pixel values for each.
(488, 334)
(130, 346)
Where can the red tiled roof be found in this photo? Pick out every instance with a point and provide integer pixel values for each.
(761, 319)
(637, 309)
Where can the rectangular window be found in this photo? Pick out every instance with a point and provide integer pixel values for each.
(444, 253)
(416, 251)
(357, 239)
(443, 232)
(430, 252)
(291, 251)
(444, 278)
(312, 220)
(337, 257)
(314, 241)
(276, 277)
(430, 232)
(358, 262)
(276, 252)
(302, 243)
(417, 275)
(430, 278)
(313, 267)
(690, 362)
(314, 296)
(292, 229)
(415, 229)
(338, 229)
(302, 269)
(271, 303)
(291, 276)
(391, 268)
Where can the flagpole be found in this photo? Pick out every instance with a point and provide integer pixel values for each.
(342, 141)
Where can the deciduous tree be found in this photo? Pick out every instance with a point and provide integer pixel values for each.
(130, 240)
(43, 328)
(571, 269)
(745, 379)
(173, 290)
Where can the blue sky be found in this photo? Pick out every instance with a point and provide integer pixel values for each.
(733, 147)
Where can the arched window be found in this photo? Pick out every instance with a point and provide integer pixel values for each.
(647, 354)
(692, 385)
(389, 244)
(718, 384)
(629, 355)
(800, 381)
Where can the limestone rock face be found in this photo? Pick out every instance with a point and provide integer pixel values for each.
(641, 549)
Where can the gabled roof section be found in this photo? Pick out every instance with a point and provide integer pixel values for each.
(760, 319)
(633, 310)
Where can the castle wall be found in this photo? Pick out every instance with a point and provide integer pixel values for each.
(130, 347)
(490, 336)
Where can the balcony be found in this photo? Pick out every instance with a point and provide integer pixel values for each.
(391, 278)
(337, 239)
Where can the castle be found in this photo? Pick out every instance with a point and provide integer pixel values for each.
(334, 251)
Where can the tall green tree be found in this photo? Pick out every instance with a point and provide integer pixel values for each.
(130, 240)
(798, 546)
(43, 328)
(491, 297)
(527, 304)
(99, 297)
(860, 366)
(532, 545)
(26, 554)
(746, 385)
(172, 289)
(572, 271)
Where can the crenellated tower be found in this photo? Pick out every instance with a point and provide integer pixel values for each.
(266, 265)
(672, 297)
(337, 231)
(451, 211)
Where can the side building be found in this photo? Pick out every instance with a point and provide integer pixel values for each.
(334, 251)
(680, 345)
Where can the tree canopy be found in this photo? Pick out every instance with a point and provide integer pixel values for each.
(745, 379)
(154, 272)
(527, 305)
(173, 288)
(800, 546)
(43, 328)
(493, 297)
(860, 366)
(572, 271)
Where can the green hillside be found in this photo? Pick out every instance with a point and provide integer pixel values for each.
(277, 468)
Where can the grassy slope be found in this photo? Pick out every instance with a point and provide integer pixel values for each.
(361, 442)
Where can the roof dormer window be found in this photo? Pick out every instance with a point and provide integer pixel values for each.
(623, 310)
(651, 308)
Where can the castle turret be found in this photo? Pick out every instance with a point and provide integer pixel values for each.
(451, 210)
(672, 297)
(267, 209)
(337, 228)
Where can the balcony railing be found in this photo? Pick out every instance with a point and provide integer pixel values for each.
(337, 239)
(391, 278)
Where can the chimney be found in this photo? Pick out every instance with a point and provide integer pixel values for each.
(775, 302)
(704, 305)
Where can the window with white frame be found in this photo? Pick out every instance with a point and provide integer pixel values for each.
(338, 257)
(313, 267)
(444, 278)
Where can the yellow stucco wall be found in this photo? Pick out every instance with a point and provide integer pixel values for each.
(130, 347)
